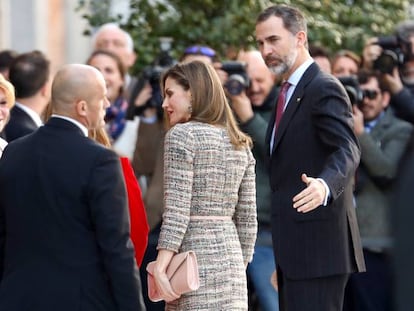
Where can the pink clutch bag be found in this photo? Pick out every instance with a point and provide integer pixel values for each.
(182, 273)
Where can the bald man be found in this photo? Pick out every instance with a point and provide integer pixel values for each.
(253, 107)
(64, 226)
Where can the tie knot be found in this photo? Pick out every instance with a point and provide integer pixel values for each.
(285, 86)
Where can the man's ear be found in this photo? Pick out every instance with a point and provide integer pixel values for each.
(81, 108)
(302, 38)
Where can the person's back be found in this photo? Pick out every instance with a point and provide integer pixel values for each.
(217, 168)
(29, 73)
(64, 227)
(220, 227)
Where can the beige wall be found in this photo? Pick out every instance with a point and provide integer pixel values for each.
(51, 26)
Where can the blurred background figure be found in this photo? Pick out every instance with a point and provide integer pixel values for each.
(110, 65)
(253, 107)
(321, 56)
(6, 103)
(393, 57)
(345, 63)
(113, 38)
(30, 75)
(383, 139)
(6, 58)
(199, 52)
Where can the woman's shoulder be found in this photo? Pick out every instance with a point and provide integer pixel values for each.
(191, 128)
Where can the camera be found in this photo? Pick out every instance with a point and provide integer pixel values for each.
(395, 51)
(152, 75)
(351, 85)
(237, 80)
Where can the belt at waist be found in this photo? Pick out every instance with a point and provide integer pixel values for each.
(199, 217)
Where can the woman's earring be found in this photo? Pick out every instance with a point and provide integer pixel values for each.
(190, 107)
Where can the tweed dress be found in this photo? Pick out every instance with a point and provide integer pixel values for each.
(205, 176)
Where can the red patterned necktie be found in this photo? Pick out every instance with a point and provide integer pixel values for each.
(281, 102)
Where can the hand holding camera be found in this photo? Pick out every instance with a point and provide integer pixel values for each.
(236, 85)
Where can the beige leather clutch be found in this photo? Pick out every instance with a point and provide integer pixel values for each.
(182, 273)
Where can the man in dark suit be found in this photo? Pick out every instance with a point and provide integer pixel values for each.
(30, 75)
(64, 226)
(313, 155)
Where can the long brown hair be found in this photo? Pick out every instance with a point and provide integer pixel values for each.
(209, 102)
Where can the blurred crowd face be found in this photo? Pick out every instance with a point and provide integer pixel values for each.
(115, 41)
(113, 77)
(261, 78)
(407, 73)
(177, 102)
(324, 63)
(277, 45)
(374, 100)
(344, 66)
(4, 109)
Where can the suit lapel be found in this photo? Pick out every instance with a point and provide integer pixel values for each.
(294, 103)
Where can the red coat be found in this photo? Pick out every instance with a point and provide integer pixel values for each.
(137, 215)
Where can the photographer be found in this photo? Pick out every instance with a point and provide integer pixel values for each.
(393, 56)
(253, 107)
(383, 139)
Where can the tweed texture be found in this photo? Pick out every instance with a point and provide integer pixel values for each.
(205, 176)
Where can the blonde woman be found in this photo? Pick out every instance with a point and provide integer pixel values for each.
(6, 103)
(209, 191)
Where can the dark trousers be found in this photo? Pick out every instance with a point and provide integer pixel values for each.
(150, 255)
(318, 294)
(371, 290)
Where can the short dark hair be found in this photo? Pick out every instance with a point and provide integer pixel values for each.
(29, 72)
(293, 19)
(6, 58)
(318, 51)
(364, 75)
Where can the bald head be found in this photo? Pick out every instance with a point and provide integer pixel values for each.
(79, 92)
(73, 83)
(112, 38)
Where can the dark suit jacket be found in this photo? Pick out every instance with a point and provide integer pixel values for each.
(64, 226)
(315, 136)
(402, 217)
(20, 124)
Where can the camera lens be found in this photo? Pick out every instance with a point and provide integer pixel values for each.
(386, 62)
(235, 84)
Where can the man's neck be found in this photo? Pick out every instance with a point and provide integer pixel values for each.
(35, 103)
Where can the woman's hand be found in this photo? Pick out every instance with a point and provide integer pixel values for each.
(160, 276)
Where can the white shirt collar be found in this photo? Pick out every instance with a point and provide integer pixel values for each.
(298, 73)
(77, 123)
(32, 114)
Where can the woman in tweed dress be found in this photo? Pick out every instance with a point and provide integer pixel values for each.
(209, 191)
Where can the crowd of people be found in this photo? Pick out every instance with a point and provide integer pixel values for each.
(287, 184)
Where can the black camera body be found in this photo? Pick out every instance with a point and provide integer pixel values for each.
(153, 73)
(237, 80)
(352, 88)
(395, 51)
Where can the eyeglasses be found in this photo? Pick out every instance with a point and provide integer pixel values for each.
(370, 94)
(200, 50)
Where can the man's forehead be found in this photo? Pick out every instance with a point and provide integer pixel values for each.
(271, 27)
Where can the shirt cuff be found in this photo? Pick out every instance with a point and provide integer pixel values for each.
(327, 191)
